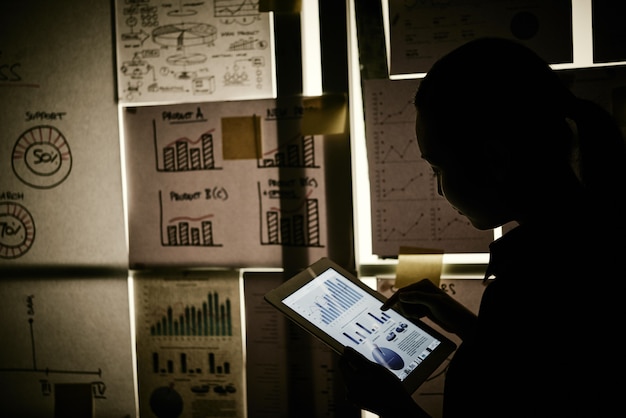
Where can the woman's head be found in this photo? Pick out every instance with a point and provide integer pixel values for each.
(492, 116)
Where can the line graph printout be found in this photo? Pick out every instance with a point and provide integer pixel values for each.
(189, 345)
(224, 184)
(193, 51)
(406, 208)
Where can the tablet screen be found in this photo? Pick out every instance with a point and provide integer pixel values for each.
(352, 317)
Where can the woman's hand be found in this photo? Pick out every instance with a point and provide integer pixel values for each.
(423, 298)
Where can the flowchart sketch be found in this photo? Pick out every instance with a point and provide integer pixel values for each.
(406, 208)
(190, 345)
(223, 184)
(67, 349)
(193, 52)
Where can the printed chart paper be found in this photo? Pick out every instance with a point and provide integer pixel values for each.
(193, 51)
(230, 184)
(190, 346)
(406, 208)
(288, 370)
(421, 32)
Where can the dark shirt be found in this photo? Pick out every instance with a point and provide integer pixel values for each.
(547, 330)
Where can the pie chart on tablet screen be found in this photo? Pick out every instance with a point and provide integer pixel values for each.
(388, 358)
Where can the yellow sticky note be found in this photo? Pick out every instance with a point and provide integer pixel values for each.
(324, 115)
(415, 264)
(241, 137)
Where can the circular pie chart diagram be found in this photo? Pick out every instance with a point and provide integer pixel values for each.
(166, 402)
(17, 230)
(388, 358)
(41, 157)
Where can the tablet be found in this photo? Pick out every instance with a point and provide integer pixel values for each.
(340, 310)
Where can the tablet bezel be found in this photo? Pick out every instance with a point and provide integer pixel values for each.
(276, 296)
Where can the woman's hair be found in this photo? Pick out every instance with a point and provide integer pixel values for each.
(493, 89)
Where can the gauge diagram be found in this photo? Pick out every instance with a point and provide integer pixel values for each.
(42, 157)
(17, 230)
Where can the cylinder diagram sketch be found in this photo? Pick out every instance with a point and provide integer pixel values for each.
(178, 51)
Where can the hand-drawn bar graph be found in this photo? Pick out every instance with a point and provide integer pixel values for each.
(187, 231)
(299, 152)
(211, 319)
(298, 227)
(183, 364)
(185, 154)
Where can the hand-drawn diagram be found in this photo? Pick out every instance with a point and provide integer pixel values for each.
(406, 208)
(67, 347)
(17, 230)
(185, 154)
(94, 376)
(289, 216)
(41, 157)
(186, 230)
(288, 209)
(224, 184)
(209, 50)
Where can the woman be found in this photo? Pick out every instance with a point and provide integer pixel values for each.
(510, 144)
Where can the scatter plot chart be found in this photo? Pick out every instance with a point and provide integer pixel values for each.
(406, 208)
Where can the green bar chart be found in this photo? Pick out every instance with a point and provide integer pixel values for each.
(211, 318)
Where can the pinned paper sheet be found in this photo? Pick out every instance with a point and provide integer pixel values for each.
(415, 264)
(324, 115)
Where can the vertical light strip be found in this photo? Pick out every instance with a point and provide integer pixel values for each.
(361, 206)
(311, 51)
(582, 33)
(360, 189)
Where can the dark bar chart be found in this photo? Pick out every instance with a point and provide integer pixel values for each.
(189, 363)
(211, 318)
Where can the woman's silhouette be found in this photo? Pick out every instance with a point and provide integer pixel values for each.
(509, 143)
